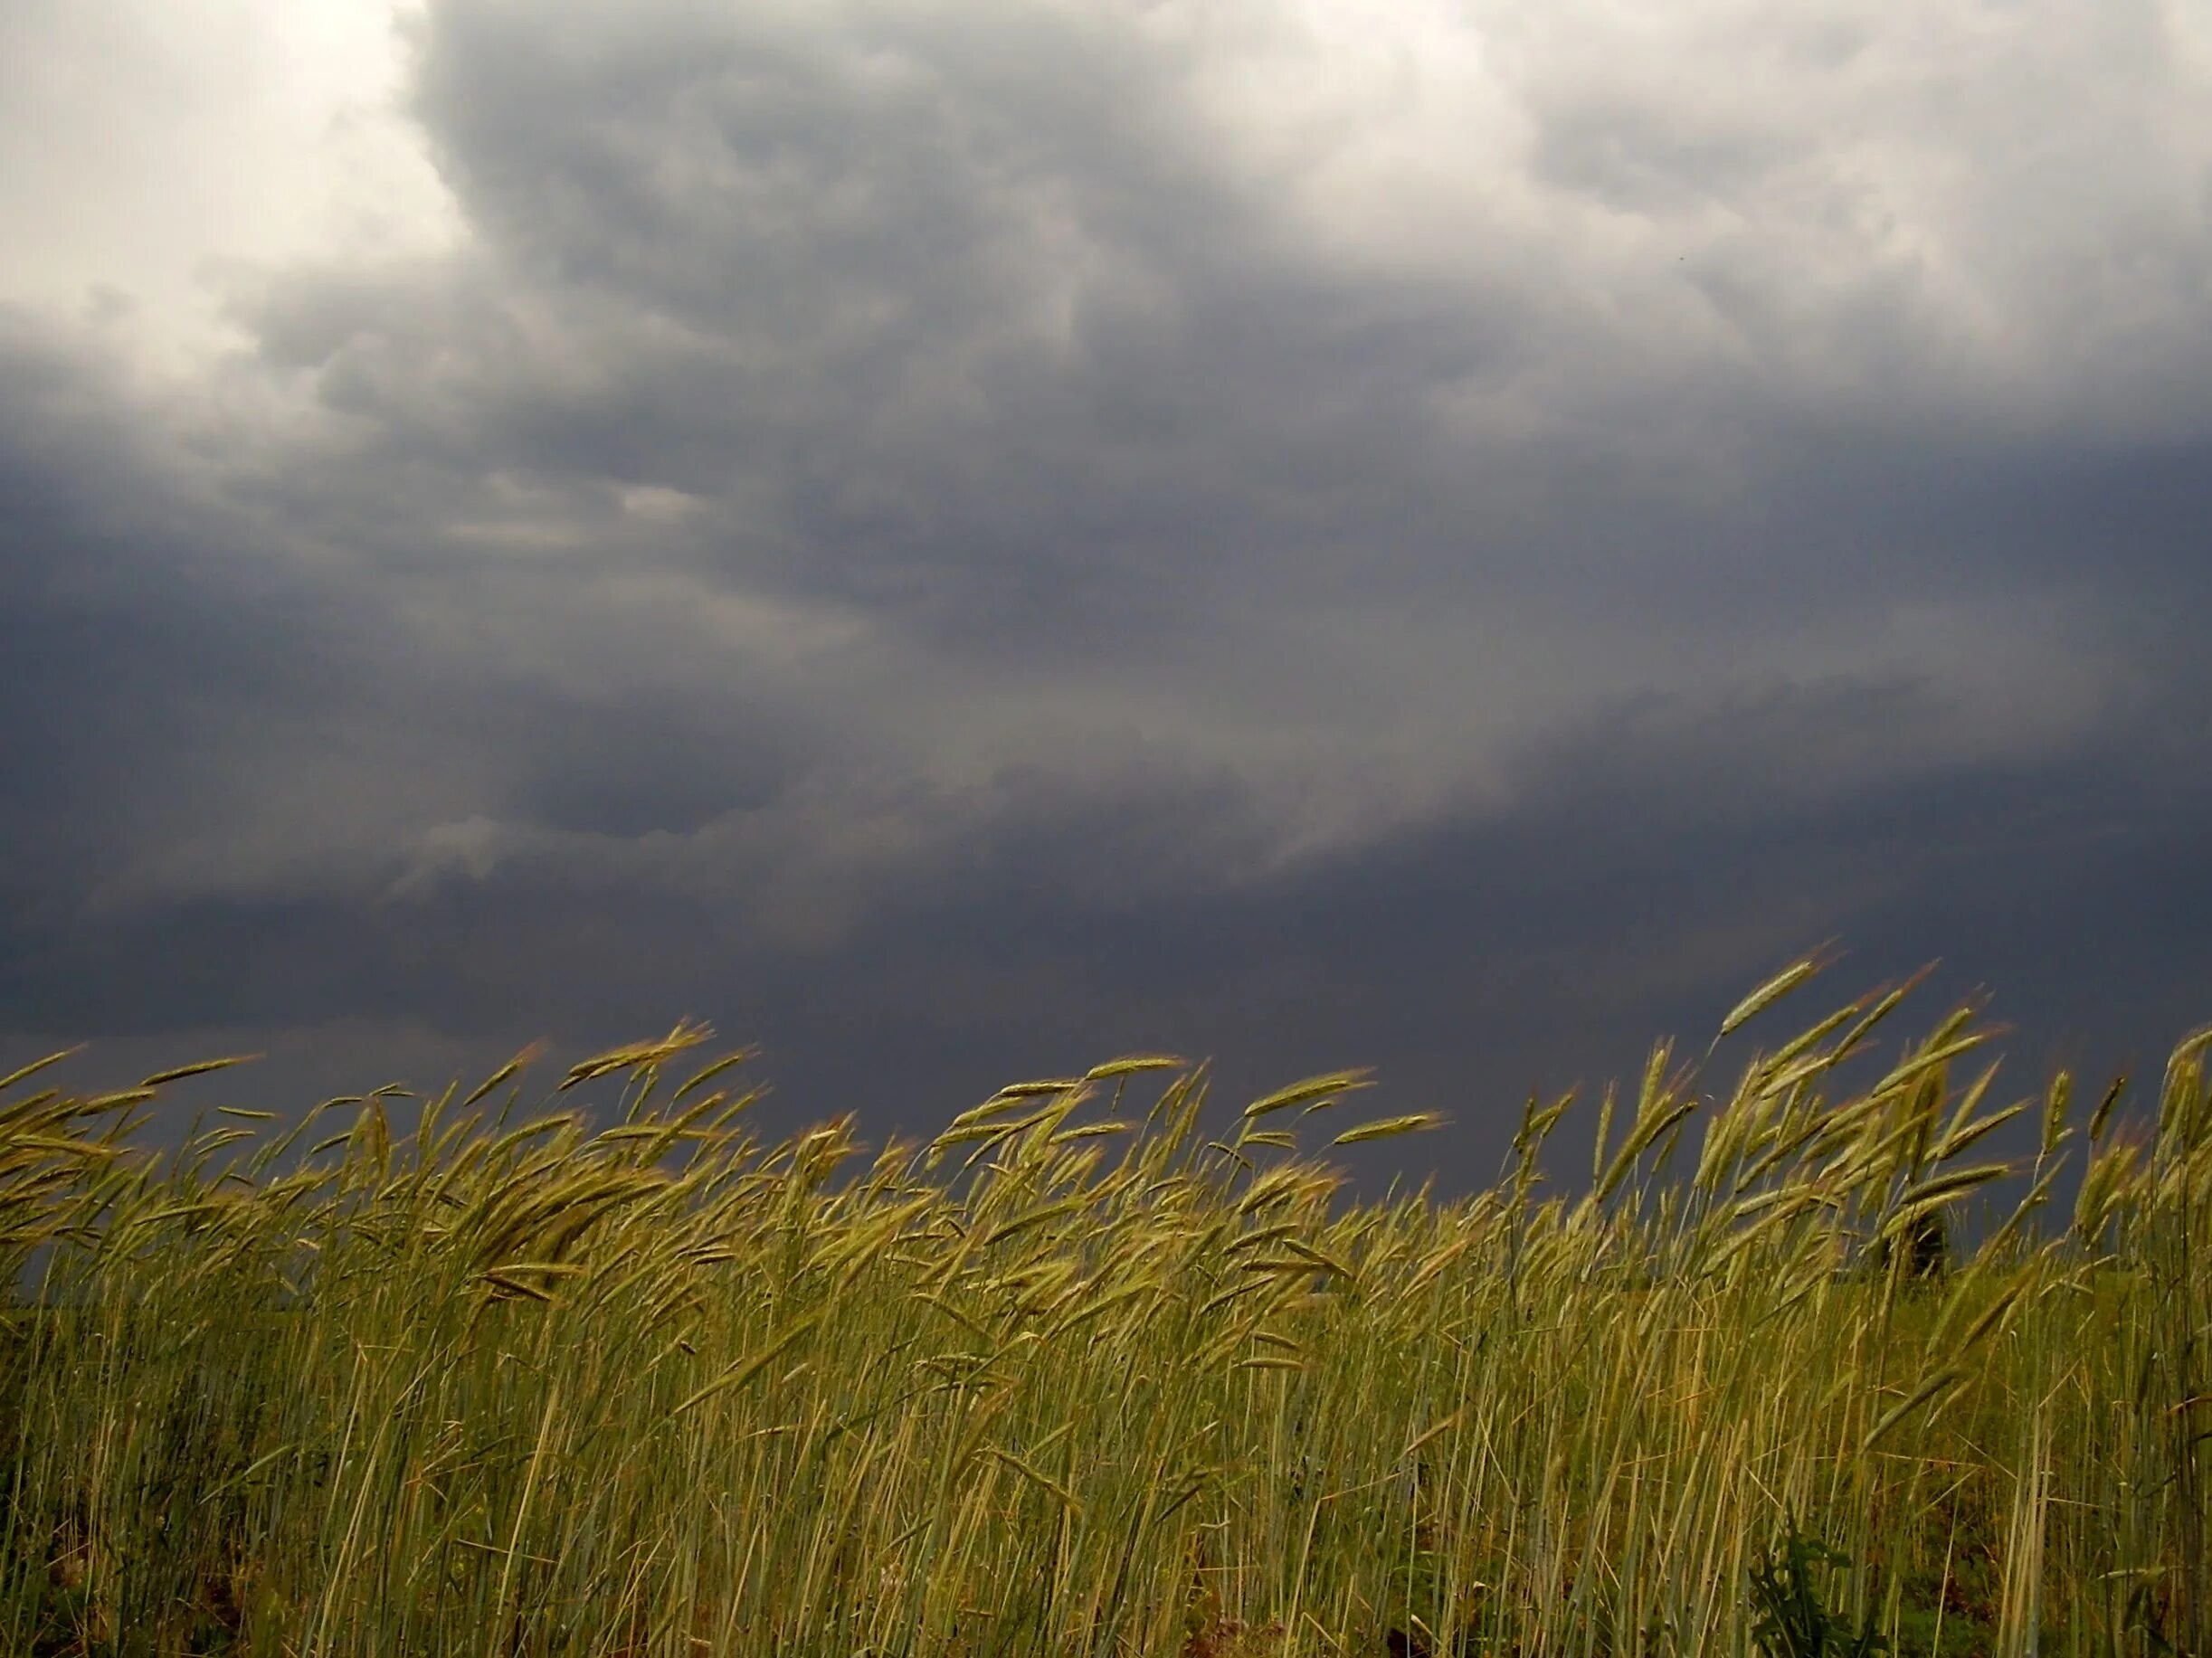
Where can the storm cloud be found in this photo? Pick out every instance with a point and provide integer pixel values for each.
(958, 541)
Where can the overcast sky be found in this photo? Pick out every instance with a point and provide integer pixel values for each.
(955, 541)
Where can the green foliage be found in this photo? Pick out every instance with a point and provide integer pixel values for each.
(1793, 1616)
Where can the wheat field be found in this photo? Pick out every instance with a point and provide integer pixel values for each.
(1090, 1374)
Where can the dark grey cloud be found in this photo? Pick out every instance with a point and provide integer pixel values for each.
(957, 544)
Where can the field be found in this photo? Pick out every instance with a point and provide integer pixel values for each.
(1085, 1376)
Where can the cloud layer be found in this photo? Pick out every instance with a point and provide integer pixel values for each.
(957, 539)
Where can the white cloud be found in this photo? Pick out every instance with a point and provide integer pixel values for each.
(152, 146)
(1955, 204)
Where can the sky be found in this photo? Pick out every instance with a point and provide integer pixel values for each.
(955, 541)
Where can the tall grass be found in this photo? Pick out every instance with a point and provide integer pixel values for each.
(1079, 1376)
